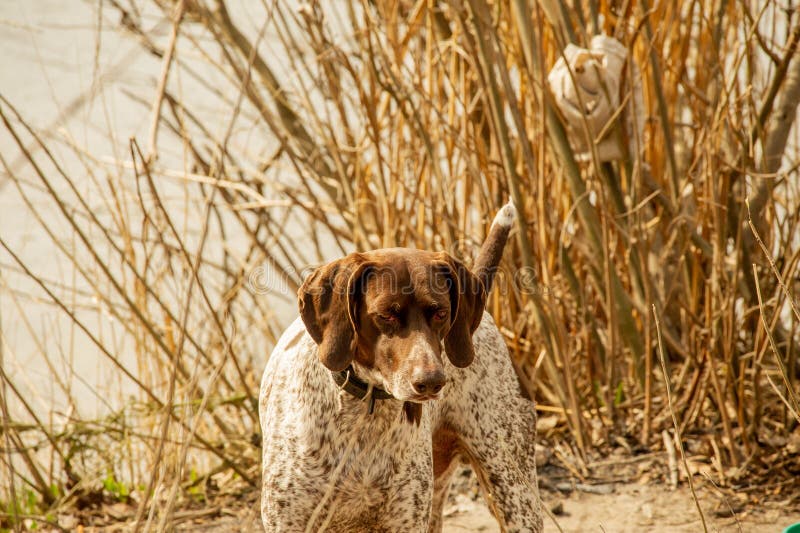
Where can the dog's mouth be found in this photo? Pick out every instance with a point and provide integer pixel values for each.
(422, 398)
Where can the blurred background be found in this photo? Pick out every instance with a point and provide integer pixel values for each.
(170, 169)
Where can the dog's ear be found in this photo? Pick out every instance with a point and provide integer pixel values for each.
(328, 301)
(467, 301)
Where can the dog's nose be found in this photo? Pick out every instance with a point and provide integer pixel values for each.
(428, 382)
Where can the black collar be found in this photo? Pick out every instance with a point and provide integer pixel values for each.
(347, 380)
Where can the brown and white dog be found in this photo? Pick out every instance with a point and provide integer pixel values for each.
(392, 375)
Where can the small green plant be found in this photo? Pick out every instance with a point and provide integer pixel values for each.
(26, 504)
(195, 489)
(118, 489)
(619, 394)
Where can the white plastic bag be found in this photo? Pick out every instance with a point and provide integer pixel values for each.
(596, 95)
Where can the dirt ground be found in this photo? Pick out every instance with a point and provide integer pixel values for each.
(630, 508)
(631, 496)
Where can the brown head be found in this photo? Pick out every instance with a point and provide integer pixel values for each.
(389, 312)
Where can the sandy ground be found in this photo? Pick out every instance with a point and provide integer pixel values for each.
(630, 496)
(630, 508)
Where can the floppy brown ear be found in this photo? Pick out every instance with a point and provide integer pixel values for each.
(467, 301)
(328, 301)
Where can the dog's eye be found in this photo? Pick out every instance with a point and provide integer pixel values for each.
(440, 314)
(388, 318)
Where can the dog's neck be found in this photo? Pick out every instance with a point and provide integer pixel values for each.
(365, 384)
(357, 387)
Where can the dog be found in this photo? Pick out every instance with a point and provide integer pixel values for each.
(392, 375)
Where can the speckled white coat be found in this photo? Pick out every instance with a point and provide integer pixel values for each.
(327, 464)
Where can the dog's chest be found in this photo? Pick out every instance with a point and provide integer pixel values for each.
(375, 448)
(370, 464)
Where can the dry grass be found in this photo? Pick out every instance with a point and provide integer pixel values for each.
(307, 132)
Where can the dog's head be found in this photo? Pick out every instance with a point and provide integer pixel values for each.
(388, 312)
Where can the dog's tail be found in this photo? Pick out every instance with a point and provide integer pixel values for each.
(491, 252)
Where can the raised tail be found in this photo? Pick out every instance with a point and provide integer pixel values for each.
(488, 260)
